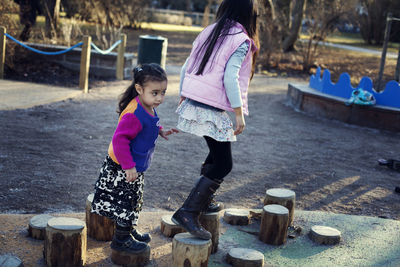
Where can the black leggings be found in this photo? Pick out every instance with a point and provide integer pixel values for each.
(219, 161)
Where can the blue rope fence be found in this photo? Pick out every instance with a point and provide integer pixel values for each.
(85, 58)
(104, 52)
(43, 52)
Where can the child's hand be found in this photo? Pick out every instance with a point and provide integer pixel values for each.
(131, 175)
(164, 134)
(240, 123)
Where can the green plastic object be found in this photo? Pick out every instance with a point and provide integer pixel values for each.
(152, 49)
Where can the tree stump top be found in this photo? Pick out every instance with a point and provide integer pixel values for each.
(276, 209)
(325, 231)
(246, 254)
(237, 212)
(40, 221)
(90, 197)
(189, 239)
(324, 235)
(167, 219)
(281, 193)
(64, 223)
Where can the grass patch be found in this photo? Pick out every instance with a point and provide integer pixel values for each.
(355, 39)
(170, 27)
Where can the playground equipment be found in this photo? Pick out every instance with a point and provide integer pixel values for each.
(323, 98)
(210, 222)
(37, 226)
(98, 227)
(169, 228)
(283, 197)
(188, 250)
(274, 224)
(84, 59)
(65, 242)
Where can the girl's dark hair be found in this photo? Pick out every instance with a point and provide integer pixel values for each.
(230, 11)
(141, 75)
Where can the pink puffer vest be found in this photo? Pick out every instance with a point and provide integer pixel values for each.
(208, 88)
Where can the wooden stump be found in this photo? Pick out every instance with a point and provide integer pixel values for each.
(65, 242)
(283, 197)
(210, 222)
(37, 226)
(188, 250)
(324, 235)
(169, 228)
(130, 259)
(237, 216)
(274, 224)
(244, 257)
(99, 227)
(255, 214)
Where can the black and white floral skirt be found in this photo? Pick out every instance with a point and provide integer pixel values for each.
(116, 198)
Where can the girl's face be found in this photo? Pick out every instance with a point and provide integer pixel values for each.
(151, 94)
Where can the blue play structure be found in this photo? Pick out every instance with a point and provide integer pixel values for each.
(390, 97)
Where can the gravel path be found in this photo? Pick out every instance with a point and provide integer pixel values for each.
(50, 156)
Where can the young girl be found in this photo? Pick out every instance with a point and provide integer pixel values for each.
(119, 188)
(215, 79)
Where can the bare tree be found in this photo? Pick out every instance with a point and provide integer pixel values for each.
(323, 16)
(28, 11)
(297, 9)
(372, 18)
(51, 10)
(117, 13)
(269, 29)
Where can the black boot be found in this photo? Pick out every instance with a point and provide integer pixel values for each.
(213, 205)
(188, 215)
(146, 237)
(124, 241)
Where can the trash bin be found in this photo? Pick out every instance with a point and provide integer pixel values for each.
(152, 49)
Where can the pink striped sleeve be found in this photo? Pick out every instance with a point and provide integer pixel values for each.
(128, 128)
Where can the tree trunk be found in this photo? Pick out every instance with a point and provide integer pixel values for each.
(27, 15)
(52, 14)
(296, 17)
(37, 226)
(169, 228)
(245, 257)
(206, 16)
(188, 5)
(397, 73)
(324, 235)
(284, 197)
(210, 222)
(65, 242)
(274, 224)
(126, 258)
(237, 216)
(99, 227)
(187, 250)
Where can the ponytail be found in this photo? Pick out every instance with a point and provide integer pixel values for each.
(141, 74)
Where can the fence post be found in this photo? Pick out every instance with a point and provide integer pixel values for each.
(85, 64)
(397, 73)
(383, 57)
(2, 50)
(121, 58)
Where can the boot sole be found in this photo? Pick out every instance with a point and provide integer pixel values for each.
(177, 223)
(130, 251)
